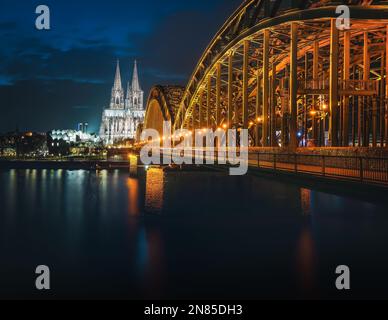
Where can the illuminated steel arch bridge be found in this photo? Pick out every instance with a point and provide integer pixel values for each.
(284, 70)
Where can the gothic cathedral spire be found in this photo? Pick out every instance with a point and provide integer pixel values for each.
(117, 100)
(135, 79)
(117, 83)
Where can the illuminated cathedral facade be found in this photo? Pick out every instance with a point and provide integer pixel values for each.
(126, 111)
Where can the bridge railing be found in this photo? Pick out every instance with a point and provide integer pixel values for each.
(362, 169)
(355, 168)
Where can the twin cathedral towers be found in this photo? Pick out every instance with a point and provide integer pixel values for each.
(125, 112)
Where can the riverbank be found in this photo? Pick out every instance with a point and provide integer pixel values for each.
(63, 164)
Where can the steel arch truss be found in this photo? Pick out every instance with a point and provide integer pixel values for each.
(288, 75)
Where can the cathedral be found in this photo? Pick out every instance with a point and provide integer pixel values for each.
(125, 112)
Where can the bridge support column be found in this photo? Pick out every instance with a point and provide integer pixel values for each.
(218, 94)
(386, 90)
(346, 100)
(366, 100)
(200, 111)
(258, 105)
(194, 115)
(306, 99)
(359, 112)
(354, 101)
(315, 86)
(230, 90)
(294, 86)
(273, 142)
(305, 107)
(285, 108)
(265, 87)
(208, 102)
(382, 99)
(333, 91)
(245, 85)
(374, 121)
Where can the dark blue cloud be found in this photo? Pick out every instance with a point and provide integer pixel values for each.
(57, 78)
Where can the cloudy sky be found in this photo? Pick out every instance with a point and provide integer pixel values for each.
(54, 79)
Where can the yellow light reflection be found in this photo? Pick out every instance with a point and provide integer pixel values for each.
(133, 196)
(154, 190)
(133, 161)
(305, 200)
(11, 199)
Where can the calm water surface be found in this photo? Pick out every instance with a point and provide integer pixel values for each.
(185, 235)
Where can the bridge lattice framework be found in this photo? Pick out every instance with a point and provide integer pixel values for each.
(289, 75)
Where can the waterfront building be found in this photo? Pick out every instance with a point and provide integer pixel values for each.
(73, 136)
(29, 144)
(72, 142)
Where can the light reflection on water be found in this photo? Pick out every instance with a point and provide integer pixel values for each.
(183, 235)
(133, 196)
(305, 195)
(154, 190)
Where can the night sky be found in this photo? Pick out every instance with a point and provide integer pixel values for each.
(55, 79)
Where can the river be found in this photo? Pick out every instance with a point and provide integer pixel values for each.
(186, 235)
